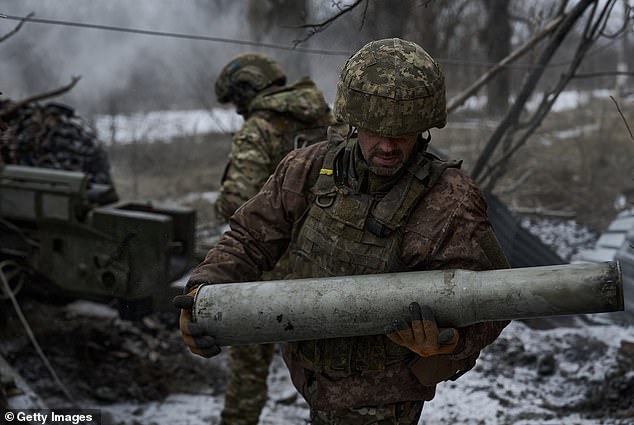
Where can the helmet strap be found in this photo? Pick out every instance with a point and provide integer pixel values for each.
(423, 141)
(352, 131)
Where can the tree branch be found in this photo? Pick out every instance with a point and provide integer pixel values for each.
(604, 74)
(460, 99)
(321, 26)
(511, 118)
(3, 126)
(618, 108)
(591, 34)
(38, 97)
(17, 27)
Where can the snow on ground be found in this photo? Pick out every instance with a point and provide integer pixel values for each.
(284, 407)
(566, 237)
(528, 377)
(575, 373)
(569, 99)
(163, 125)
(533, 376)
(563, 375)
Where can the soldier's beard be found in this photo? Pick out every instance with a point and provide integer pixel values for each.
(382, 170)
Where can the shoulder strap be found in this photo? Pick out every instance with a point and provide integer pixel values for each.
(394, 209)
(333, 170)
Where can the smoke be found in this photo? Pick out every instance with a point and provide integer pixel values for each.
(120, 71)
(125, 73)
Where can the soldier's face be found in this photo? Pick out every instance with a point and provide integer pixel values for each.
(386, 155)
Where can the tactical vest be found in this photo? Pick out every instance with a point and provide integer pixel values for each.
(295, 134)
(298, 134)
(347, 233)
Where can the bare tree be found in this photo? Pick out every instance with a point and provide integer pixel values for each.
(496, 38)
(315, 28)
(16, 28)
(621, 65)
(53, 93)
(528, 46)
(511, 134)
(382, 19)
(278, 21)
(422, 26)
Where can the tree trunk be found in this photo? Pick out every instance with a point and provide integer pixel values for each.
(496, 38)
(510, 120)
(276, 21)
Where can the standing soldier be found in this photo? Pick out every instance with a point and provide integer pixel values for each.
(278, 119)
(370, 200)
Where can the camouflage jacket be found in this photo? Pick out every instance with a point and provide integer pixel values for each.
(276, 121)
(444, 231)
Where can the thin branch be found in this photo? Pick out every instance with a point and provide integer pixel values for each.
(321, 26)
(41, 96)
(17, 28)
(618, 108)
(459, 99)
(512, 117)
(364, 14)
(521, 20)
(624, 27)
(590, 36)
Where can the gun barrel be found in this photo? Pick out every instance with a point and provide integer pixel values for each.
(302, 309)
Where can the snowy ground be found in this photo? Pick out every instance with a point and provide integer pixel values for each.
(569, 375)
(578, 370)
(163, 125)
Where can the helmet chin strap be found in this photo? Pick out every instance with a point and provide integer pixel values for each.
(423, 141)
(352, 131)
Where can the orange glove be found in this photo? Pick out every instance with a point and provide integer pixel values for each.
(193, 334)
(423, 338)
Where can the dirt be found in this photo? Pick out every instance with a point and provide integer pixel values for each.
(102, 359)
(608, 397)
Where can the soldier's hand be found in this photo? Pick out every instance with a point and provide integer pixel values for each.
(193, 334)
(423, 337)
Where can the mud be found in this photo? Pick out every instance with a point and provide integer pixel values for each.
(103, 360)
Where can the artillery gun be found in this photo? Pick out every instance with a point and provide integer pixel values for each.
(56, 238)
(63, 231)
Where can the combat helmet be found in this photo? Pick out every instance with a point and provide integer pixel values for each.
(391, 87)
(246, 75)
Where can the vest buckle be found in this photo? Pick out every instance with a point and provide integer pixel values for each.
(376, 228)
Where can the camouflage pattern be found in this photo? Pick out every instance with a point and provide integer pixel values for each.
(406, 413)
(391, 87)
(52, 136)
(276, 120)
(254, 70)
(356, 233)
(246, 392)
(442, 232)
